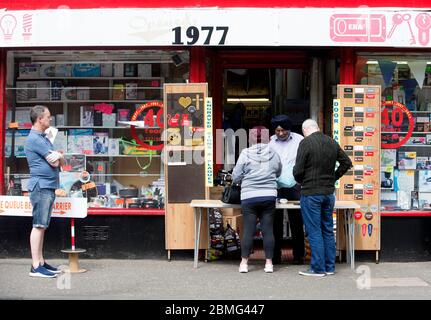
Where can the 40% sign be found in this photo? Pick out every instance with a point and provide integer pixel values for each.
(393, 116)
(146, 112)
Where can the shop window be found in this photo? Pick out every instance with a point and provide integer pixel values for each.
(91, 96)
(405, 128)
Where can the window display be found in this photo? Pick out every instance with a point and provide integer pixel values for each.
(91, 96)
(405, 129)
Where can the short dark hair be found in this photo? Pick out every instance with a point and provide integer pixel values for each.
(36, 112)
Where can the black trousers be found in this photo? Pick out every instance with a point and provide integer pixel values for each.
(296, 226)
(265, 211)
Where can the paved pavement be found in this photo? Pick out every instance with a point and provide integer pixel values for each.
(160, 279)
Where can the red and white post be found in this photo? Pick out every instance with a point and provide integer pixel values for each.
(72, 232)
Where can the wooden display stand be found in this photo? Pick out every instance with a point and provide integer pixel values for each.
(356, 116)
(185, 179)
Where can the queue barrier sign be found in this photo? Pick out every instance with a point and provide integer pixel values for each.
(64, 207)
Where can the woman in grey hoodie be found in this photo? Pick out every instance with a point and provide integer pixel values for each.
(257, 169)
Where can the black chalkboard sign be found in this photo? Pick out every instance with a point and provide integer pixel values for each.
(186, 182)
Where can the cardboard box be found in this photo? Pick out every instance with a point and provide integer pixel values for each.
(59, 119)
(100, 142)
(63, 70)
(130, 70)
(230, 212)
(144, 70)
(69, 93)
(83, 93)
(55, 93)
(234, 221)
(20, 138)
(118, 69)
(60, 141)
(118, 92)
(132, 91)
(106, 70)
(216, 192)
(86, 116)
(47, 70)
(28, 70)
(22, 117)
(80, 144)
(86, 70)
(109, 120)
(33, 90)
(114, 147)
(8, 144)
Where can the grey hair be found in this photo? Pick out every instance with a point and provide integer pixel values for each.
(310, 123)
(36, 112)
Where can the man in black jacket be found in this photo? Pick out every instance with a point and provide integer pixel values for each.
(315, 171)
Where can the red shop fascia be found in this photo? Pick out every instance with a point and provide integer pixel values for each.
(310, 11)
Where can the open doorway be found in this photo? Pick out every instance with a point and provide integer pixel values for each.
(253, 96)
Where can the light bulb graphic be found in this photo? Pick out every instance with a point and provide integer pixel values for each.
(27, 24)
(8, 24)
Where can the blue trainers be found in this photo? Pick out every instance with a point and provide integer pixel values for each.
(41, 272)
(51, 268)
(312, 273)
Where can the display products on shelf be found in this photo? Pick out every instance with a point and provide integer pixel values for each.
(87, 99)
(406, 126)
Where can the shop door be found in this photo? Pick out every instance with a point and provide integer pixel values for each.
(252, 96)
(250, 87)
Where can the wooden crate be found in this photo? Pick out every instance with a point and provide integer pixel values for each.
(216, 192)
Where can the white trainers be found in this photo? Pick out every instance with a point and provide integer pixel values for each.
(269, 268)
(243, 268)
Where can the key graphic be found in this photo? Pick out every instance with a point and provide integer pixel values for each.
(423, 22)
(395, 22)
(397, 19)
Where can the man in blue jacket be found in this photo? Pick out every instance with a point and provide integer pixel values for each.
(44, 164)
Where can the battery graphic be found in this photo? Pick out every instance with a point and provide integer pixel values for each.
(358, 27)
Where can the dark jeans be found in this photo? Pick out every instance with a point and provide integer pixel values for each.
(265, 212)
(319, 224)
(296, 226)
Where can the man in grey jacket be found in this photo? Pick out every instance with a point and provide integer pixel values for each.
(257, 169)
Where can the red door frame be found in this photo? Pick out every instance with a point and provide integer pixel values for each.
(3, 108)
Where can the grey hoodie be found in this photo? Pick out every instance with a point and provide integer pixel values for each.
(257, 169)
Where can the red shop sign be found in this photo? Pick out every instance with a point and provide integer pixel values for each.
(396, 119)
(147, 112)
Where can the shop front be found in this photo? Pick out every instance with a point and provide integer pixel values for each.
(102, 65)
